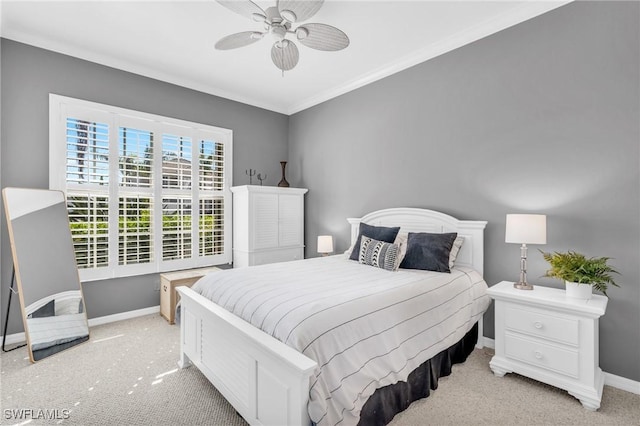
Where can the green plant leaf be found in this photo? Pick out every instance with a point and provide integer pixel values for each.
(577, 268)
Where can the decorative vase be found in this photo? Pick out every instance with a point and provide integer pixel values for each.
(283, 182)
(578, 291)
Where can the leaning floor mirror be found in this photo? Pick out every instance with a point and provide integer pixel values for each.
(46, 274)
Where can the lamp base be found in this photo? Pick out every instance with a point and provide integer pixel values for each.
(523, 286)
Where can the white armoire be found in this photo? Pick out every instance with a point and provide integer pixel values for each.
(268, 224)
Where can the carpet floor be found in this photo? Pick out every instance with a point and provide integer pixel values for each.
(127, 374)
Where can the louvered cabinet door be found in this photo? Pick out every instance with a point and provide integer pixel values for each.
(264, 213)
(290, 220)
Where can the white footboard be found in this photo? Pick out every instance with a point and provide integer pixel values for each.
(266, 381)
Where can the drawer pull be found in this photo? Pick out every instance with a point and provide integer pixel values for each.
(538, 354)
(537, 325)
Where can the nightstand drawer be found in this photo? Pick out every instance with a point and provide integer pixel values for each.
(556, 359)
(543, 325)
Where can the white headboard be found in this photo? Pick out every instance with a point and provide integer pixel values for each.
(423, 220)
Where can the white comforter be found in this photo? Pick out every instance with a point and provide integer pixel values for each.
(364, 326)
(56, 330)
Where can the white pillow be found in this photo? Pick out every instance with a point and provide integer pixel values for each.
(401, 241)
(455, 249)
(68, 306)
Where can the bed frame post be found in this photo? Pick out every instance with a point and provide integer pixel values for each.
(480, 342)
(184, 361)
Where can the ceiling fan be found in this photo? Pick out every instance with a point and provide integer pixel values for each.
(279, 21)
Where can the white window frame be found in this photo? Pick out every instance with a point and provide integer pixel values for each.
(62, 107)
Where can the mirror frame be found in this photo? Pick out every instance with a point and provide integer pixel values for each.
(17, 203)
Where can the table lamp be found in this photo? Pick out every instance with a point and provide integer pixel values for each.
(525, 229)
(325, 244)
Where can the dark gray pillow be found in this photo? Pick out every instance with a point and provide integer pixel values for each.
(429, 252)
(380, 233)
(48, 310)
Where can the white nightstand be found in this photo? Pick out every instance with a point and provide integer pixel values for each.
(546, 336)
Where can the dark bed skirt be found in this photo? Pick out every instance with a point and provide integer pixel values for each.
(39, 354)
(386, 402)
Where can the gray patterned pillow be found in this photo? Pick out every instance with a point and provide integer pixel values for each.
(379, 254)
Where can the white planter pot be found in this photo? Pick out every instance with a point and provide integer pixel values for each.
(578, 291)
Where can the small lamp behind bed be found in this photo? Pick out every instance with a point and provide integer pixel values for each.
(325, 244)
(525, 229)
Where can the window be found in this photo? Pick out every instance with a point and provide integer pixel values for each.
(145, 193)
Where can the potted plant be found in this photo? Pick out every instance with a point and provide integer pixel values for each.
(580, 273)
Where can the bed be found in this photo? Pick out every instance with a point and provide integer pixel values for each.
(320, 375)
(56, 322)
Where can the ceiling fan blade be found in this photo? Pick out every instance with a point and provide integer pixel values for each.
(299, 10)
(285, 57)
(322, 37)
(246, 8)
(236, 40)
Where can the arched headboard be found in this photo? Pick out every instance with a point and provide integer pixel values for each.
(423, 220)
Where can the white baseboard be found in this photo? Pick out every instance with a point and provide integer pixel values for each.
(124, 315)
(622, 383)
(15, 338)
(20, 338)
(489, 343)
(612, 380)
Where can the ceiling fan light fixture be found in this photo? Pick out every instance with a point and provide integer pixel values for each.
(278, 32)
(288, 15)
(302, 33)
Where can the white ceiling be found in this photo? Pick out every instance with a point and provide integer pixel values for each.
(173, 41)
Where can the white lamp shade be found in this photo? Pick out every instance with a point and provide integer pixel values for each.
(526, 229)
(325, 244)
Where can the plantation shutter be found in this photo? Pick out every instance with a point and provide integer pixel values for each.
(144, 193)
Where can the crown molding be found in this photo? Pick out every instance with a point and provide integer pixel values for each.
(139, 69)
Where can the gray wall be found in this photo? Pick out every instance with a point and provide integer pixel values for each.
(541, 117)
(29, 74)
